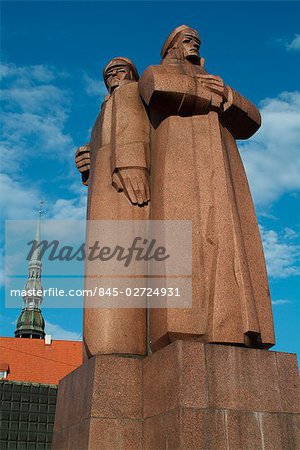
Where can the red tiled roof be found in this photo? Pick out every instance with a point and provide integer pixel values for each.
(33, 360)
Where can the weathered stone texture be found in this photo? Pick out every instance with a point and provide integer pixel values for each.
(187, 395)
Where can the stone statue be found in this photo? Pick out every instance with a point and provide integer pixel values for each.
(197, 174)
(130, 171)
(118, 189)
(190, 394)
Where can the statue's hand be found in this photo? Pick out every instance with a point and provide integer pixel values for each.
(214, 84)
(83, 159)
(135, 184)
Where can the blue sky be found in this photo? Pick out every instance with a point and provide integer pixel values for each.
(52, 60)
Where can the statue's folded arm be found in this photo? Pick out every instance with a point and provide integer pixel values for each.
(181, 94)
(176, 93)
(240, 116)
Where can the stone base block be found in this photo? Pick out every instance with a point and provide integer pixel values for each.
(99, 405)
(188, 395)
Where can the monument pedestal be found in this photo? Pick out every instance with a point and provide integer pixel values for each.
(187, 395)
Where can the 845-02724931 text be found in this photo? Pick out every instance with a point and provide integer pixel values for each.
(140, 292)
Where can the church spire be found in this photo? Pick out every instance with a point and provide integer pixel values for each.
(30, 323)
(36, 255)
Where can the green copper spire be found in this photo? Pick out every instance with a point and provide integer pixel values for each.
(30, 323)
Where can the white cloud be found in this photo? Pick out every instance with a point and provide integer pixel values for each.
(39, 99)
(31, 135)
(16, 203)
(294, 45)
(282, 256)
(24, 74)
(268, 215)
(280, 302)
(17, 200)
(57, 332)
(71, 209)
(272, 156)
(94, 87)
(289, 233)
(34, 115)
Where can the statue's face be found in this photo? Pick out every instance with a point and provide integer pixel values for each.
(116, 74)
(190, 44)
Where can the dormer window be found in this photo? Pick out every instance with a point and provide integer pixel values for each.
(4, 371)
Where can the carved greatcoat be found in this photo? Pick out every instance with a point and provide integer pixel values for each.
(119, 139)
(197, 174)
